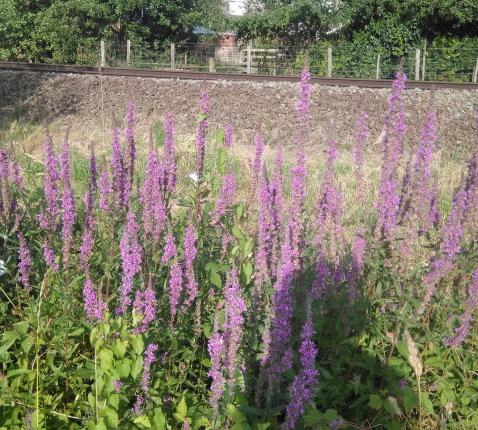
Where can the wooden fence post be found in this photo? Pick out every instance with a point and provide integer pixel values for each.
(128, 52)
(329, 62)
(423, 60)
(102, 53)
(377, 72)
(249, 59)
(173, 56)
(417, 64)
(475, 73)
(211, 65)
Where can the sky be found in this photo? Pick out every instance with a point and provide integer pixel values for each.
(237, 7)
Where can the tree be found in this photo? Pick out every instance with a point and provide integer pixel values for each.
(291, 21)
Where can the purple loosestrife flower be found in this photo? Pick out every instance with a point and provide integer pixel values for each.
(322, 275)
(117, 385)
(68, 202)
(226, 197)
(462, 331)
(169, 249)
(93, 168)
(4, 168)
(24, 263)
(49, 217)
(130, 141)
(189, 256)
(451, 234)
(118, 171)
(280, 353)
(470, 221)
(149, 359)
(201, 132)
(131, 253)
(86, 248)
(387, 204)
(105, 190)
(257, 163)
(169, 163)
(145, 305)
(303, 105)
(16, 172)
(234, 319)
(49, 257)
(175, 287)
(264, 240)
(356, 264)
(229, 135)
(303, 386)
(361, 136)
(298, 178)
(94, 307)
(150, 192)
(216, 350)
(276, 194)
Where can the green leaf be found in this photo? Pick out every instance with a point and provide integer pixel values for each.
(27, 344)
(235, 414)
(247, 269)
(124, 368)
(159, 420)
(118, 348)
(106, 359)
(112, 418)
(143, 421)
(22, 327)
(427, 403)
(138, 344)
(137, 367)
(215, 279)
(241, 426)
(237, 233)
(181, 410)
(375, 402)
(329, 415)
(410, 401)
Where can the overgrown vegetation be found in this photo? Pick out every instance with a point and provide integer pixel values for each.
(207, 294)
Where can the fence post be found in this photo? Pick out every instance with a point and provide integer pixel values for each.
(329, 62)
(423, 60)
(211, 64)
(377, 72)
(128, 52)
(417, 64)
(102, 53)
(475, 72)
(173, 56)
(249, 58)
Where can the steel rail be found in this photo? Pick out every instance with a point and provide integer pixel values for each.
(214, 76)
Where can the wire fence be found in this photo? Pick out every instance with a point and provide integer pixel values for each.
(341, 60)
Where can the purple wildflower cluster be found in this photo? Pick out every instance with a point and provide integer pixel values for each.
(131, 253)
(68, 204)
(24, 263)
(229, 135)
(216, 350)
(189, 256)
(95, 308)
(226, 197)
(303, 386)
(145, 305)
(201, 131)
(149, 359)
(471, 304)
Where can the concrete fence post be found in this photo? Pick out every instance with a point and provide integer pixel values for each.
(377, 71)
(329, 62)
(249, 59)
(417, 64)
(475, 73)
(102, 53)
(173, 56)
(211, 65)
(128, 52)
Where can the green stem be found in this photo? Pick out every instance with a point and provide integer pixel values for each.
(37, 355)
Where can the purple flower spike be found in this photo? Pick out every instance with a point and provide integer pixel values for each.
(304, 384)
(201, 132)
(118, 170)
(169, 249)
(471, 304)
(189, 256)
(24, 261)
(49, 256)
(216, 350)
(226, 197)
(131, 253)
(175, 288)
(95, 308)
(305, 91)
(105, 190)
(68, 202)
(48, 218)
(145, 305)
(229, 135)
(234, 319)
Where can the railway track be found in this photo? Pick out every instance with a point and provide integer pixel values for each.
(213, 76)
